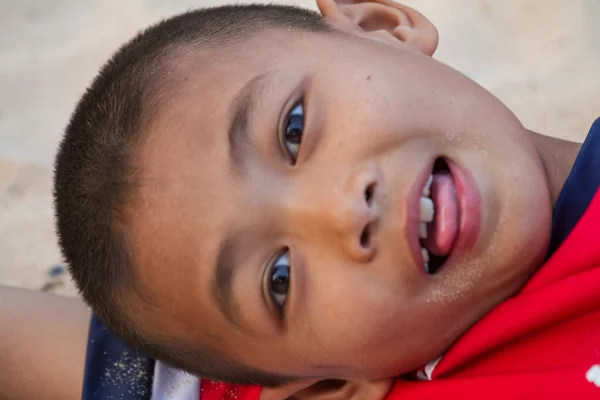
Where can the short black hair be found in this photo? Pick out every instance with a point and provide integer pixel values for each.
(95, 177)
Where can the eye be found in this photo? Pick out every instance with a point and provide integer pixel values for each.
(293, 131)
(278, 280)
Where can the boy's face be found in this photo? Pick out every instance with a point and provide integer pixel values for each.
(278, 219)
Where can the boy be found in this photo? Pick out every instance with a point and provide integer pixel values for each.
(264, 197)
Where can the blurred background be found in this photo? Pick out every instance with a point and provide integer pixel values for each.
(541, 57)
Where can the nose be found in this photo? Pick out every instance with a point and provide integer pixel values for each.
(344, 212)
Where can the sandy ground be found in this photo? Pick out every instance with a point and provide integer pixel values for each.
(541, 57)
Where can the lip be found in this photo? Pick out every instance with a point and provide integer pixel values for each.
(469, 205)
(469, 201)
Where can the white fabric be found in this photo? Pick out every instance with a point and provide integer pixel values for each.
(425, 373)
(430, 367)
(172, 384)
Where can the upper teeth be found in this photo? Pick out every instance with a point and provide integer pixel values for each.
(427, 213)
(423, 230)
(427, 210)
(427, 186)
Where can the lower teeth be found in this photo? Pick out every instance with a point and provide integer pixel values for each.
(425, 255)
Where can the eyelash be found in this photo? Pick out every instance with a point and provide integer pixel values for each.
(294, 116)
(285, 273)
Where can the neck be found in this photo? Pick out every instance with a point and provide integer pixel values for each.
(558, 157)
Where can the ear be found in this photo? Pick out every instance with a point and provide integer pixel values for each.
(329, 389)
(382, 20)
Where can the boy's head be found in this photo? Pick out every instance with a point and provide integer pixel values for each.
(240, 193)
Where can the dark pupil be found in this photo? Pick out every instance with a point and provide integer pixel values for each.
(293, 132)
(280, 280)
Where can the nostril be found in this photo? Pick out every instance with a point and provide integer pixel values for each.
(365, 237)
(369, 193)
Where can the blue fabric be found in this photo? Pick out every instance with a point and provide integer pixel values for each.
(114, 370)
(579, 189)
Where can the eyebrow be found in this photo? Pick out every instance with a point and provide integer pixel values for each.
(238, 137)
(223, 280)
(242, 108)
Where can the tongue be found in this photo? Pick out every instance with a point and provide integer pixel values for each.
(442, 232)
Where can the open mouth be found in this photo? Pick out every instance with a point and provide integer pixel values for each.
(439, 217)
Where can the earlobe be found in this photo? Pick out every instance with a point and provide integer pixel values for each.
(382, 20)
(330, 389)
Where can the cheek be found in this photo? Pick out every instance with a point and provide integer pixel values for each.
(352, 318)
(516, 204)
